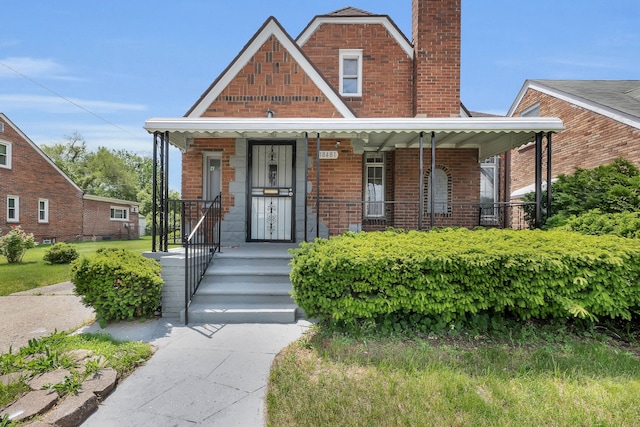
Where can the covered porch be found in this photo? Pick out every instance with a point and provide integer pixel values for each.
(325, 160)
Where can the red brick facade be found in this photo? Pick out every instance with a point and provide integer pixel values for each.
(98, 224)
(589, 140)
(394, 84)
(32, 179)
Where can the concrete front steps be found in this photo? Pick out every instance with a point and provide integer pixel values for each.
(247, 284)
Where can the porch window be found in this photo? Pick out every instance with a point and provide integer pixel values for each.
(374, 194)
(489, 186)
(351, 72)
(43, 210)
(13, 209)
(442, 193)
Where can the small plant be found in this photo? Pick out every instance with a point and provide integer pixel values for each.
(61, 253)
(70, 385)
(15, 243)
(118, 284)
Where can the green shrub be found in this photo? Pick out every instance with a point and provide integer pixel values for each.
(624, 224)
(450, 275)
(60, 253)
(610, 188)
(118, 284)
(15, 243)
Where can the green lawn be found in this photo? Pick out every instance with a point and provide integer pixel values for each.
(559, 380)
(33, 272)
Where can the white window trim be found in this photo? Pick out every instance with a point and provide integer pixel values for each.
(120, 208)
(495, 169)
(351, 54)
(381, 165)
(46, 211)
(16, 208)
(8, 145)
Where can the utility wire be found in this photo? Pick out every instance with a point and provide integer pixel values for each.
(67, 99)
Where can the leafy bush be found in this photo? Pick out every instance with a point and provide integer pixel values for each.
(60, 253)
(624, 224)
(610, 188)
(15, 243)
(118, 284)
(450, 275)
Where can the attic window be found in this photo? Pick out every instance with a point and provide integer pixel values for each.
(351, 72)
(1, 127)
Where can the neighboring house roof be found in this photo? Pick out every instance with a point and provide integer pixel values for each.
(38, 150)
(110, 200)
(271, 27)
(350, 15)
(490, 135)
(350, 11)
(616, 99)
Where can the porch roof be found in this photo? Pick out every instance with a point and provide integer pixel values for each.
(490, 135)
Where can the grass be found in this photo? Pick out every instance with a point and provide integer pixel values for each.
(50, 353)
(33, 272)
(526, 379)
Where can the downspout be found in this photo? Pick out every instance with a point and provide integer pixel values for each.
(421, 183)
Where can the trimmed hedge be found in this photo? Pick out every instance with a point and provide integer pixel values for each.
(118, 284)
(452, 273)
(61, 253)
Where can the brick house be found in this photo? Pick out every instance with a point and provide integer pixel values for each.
(602, 121)
(41, 198)
(349, 126)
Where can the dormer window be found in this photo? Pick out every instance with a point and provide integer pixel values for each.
(351, 72)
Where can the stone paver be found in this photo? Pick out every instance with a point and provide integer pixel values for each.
(31, 404)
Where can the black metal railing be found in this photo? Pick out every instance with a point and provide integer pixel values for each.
(201, 240)
(338, 216)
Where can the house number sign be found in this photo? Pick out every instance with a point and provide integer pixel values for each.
(328, 154)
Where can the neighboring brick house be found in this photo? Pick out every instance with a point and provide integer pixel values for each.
(43, 200)
(602, 123)
(324, 133)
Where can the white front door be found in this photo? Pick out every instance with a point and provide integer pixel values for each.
(272, 189)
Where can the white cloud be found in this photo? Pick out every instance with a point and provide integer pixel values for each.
(59, 105)
(30, 67)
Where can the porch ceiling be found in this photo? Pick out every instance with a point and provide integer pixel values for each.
(490, 135)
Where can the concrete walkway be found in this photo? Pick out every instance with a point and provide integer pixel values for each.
(209, 375)
(40, 312)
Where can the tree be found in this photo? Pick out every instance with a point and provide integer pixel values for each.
(118, 174)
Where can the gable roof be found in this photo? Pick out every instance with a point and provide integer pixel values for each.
(271, 27)
(616, 99)
(351, 15)
(39, 150)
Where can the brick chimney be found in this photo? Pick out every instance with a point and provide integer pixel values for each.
(436, 67)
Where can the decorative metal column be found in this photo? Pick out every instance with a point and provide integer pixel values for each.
(160, 192)
(306, 180)
(549, 176)
(318, 186)
(432, 179)
(421, 183)
(538, 183)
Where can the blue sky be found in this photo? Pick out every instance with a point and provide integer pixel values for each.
(102, 68)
